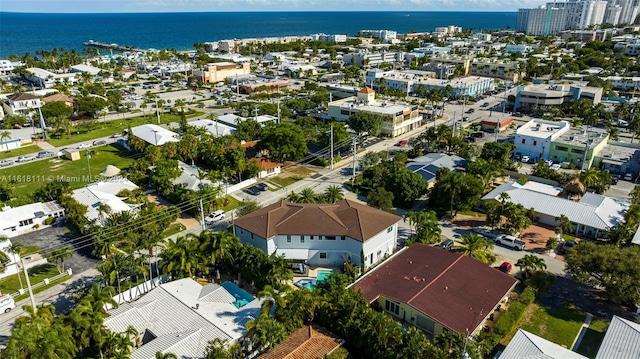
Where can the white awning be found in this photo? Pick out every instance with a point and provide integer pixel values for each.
(290, 253)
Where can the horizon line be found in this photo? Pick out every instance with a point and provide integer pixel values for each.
(242, 11)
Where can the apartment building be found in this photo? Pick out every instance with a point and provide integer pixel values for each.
(397, 118)
(329, 38)
(220, 71)
(579, 146)
(362, 59)
(457, 62)
(534, 138)
(554, 95)
(21, 103)
(630, 47)
(582, 14)
(385, 35)
(541, 21)
(496, 68)
(584, 35)
(420, 82)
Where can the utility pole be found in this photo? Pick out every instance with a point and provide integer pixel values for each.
(201, 215)
(26, 276)
(278, 110)
(331, 147)
(157, 110)
(453, 125)
(255, 113)
(89, 165)
(353, 179)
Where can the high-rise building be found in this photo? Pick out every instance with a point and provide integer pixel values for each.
(628, 10)
(612, 14)
(547, 20)
(582, 13)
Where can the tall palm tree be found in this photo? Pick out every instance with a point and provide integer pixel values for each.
(333, 194)
(181, 257)
(103, 209)
(15, 249)
(589, 177)
(307, 195)
(5, 135)
(217, 246)
(530, 264)
(476, 246)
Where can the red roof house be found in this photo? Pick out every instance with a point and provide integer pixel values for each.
(436, 289)
(309, 342)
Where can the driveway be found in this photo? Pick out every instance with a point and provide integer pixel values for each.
(51, 238)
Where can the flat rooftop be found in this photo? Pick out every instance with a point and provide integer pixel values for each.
(542, 129)
(580, 136)
(378, 107)
(620, 153)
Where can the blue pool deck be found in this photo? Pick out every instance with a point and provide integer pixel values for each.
(242, 297)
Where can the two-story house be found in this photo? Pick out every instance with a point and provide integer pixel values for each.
(321, 234)
(21, 103)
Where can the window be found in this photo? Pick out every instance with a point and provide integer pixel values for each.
(288, 239)
(392, 307)
(535, 143)
(301, 239)
(562, 148)
(323, 255)
(523, 141)
(342, 238)
(312, 237)
(251, 235)
(241, 231)
(389, 229)
(580, 152)
(330, 238)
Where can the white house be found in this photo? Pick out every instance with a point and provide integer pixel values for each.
(215, 128)
(321, 234)
(189, 177)
(534, 138)
(182, 317)
(621, 340)
(233, 120)
(592, 215)
(527, 345)
(23, 219)
(21, 103)
(154, 134)
(104, 192)
(46, 79)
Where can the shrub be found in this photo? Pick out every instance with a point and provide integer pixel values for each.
(528, 295)
(552, 243)
(49, 220)
(509, 318)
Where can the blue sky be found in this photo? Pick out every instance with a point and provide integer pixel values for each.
(101, 6)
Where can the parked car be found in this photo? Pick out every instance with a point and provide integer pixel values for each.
(471, 110)
(83, 146)
(45, 154)
(214, 217)
(505, 267)
(116, 135)
(446, 244)
(253, 191)
(25, 158)
(615, 178)
(7, 303)
(548, 163)
(511, 242)
(525, 159)
(99, 143)
(483, 231)
(486, 104)
(628, 177)
(5, 163)
(567, 246)
(555, 166)
(470, 140)
(517, 114)
(401, 143)
(262, 186)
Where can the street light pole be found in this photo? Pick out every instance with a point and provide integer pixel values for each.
(26, 276)
(331, 147)
(89, 165)
(157, 111)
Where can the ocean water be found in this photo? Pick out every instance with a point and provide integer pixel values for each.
(22, 32)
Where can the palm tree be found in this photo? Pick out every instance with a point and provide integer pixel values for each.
(5, 135)
(60, 255)
(565, 225)
(530, 264)
(589, 177)
(103, 209)
(476, 246)
(333, 194)
(15, 249)
(181, 257)
(307, 195)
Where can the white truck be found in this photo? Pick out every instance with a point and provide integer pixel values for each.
(511, 242)
(6, 303)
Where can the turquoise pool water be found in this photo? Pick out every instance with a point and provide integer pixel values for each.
(242, 297)
(310, 283)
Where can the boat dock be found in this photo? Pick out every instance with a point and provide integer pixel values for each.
(113, 46)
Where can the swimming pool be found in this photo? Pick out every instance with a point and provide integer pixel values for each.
(310, 283)
(242, 297)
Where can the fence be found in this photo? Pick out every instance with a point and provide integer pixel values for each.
(135, 292)
(238, 186)
(45, 282)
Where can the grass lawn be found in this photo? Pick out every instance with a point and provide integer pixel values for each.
(29, 177)
(11, 284)
(233, 203)
(104, 129)
(173, 229)
(24, 150)
(560, 326)
(472, 213)
(593, 338)
(568, 237)
(283, 182)
(40, 289)
(27, 250)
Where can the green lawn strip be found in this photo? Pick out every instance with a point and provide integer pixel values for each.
(29, 177)
(593, 338)
(283, 182)
(11, 284)
(108, 128)
(472, 213)
(233, 203)
(560, 326)
(173, 229)
(24, 150)
(44, 287)
(568, 237)
(29, 250)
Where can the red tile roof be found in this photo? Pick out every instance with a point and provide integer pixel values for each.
(454, 290)
(309, 342)
(344, 218)
(366, 89)
(265, 163)
(58, 97)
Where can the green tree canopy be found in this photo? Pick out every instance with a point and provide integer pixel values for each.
(56, 109)
(283, 141)
(365, 122)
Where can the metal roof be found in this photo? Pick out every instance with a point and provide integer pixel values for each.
(622, 340)
(592, 210)
(525, 345)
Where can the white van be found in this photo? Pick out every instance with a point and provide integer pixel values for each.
(214, 217)
(6, 303)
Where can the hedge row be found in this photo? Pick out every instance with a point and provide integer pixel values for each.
(512, 315)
